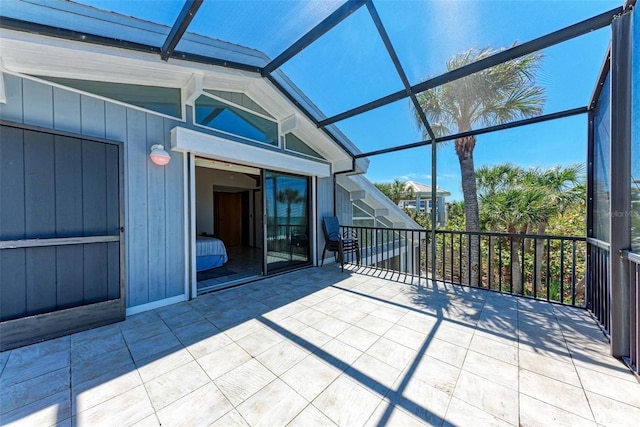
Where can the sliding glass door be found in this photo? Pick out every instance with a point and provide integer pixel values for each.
(287, 221)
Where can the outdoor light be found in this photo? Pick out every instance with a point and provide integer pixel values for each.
(158, 155)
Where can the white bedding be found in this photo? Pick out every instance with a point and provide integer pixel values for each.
(210, 253)
(210, 246)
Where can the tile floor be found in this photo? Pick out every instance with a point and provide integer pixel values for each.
(321, 348)
(244, 261)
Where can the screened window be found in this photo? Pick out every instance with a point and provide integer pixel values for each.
(218, 115)
(294, 143)
(635, 140)
(383, 222)
(364, 216)
(602, 165)
(164, 100)
(363, 222)
(361, 209)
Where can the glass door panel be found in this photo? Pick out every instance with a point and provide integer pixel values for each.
(287, 221)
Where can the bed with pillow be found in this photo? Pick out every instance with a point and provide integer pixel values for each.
(210, 253)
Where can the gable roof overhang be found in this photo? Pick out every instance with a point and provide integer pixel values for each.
(71, 40)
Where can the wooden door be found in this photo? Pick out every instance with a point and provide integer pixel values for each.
(227, 218)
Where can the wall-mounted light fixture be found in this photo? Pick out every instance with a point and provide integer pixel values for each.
(158, 155)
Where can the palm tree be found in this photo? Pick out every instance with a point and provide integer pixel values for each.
(562, 186)
(512, 210)
(455, 215)
(290, 196)
(491, 180)
(521, 201)
(395, 190)
(496, 95)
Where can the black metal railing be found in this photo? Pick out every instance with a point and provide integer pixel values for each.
(389, 248)
(634, 334)
(550, 268)
(598, 281)
(288, 239)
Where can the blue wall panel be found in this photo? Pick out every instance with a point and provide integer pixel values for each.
(37, 104)
(174, 217)
(12, 109)
(153, 196)
(156, 208)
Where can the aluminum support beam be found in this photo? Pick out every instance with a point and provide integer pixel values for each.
(314, 34)
(518, 123)
(551, 39)
(307, 113)
(179, 27)
(396, 63)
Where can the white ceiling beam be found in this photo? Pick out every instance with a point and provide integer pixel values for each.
(3, 93)
(289, 124)
(192, 90)
(225, 150)
(358, 195)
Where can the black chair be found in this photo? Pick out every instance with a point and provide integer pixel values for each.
(336, 242)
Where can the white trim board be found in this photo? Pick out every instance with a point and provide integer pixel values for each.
(314, 220)
(186, 205)
(191, 252)
(155, 304)
(201, 144)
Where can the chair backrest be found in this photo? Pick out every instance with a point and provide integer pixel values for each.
(331, 227)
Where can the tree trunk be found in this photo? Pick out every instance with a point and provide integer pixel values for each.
(289, 220)
(516, 268)
(495, 242)
(464, 150)
(527, 242)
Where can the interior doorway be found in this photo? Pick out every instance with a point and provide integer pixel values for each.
(228, 224)
(249, 222)
(229, 214)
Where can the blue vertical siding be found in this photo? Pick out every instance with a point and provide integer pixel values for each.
(153, 195)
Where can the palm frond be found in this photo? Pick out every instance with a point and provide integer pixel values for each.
(496, 95)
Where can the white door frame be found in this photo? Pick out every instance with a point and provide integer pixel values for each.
(191, 281)
(191, 237)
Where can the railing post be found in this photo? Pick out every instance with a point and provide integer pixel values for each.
(573, 273)
(548, 281)
(479, 260)
(561, 269)
(500, 264)
(469, 258)
(535, 267)
(460, 257)
(451, 258)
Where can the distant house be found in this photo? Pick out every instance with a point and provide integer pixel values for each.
(422, 200)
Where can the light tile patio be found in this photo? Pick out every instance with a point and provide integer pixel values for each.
(321, 347)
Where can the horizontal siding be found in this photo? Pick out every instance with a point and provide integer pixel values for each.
(153, 195)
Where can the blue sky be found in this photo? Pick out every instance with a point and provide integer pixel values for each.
(349, 66)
